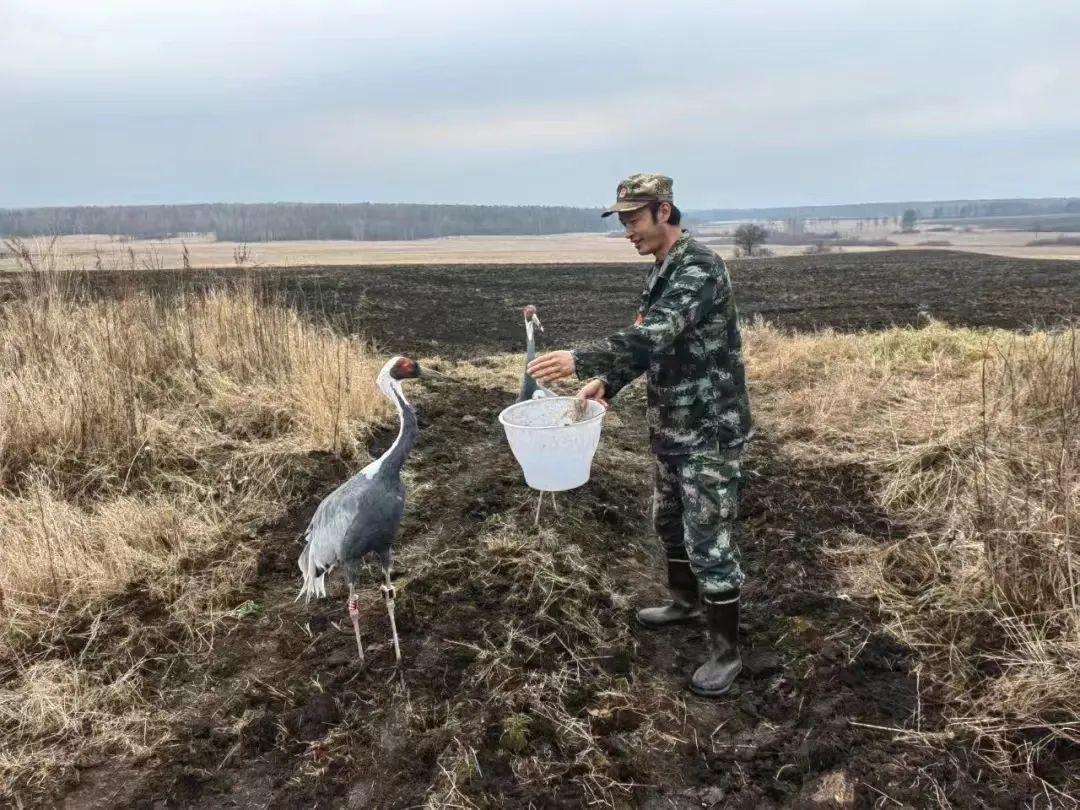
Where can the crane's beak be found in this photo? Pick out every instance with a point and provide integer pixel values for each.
(430, 374)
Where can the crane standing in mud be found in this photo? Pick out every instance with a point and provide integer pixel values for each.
(362, 515)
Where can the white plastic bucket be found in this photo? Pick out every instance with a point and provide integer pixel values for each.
(554, 457)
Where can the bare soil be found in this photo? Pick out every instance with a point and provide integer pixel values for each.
(276, 713)
(473, 310)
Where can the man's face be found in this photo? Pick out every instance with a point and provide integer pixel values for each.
(645, 230)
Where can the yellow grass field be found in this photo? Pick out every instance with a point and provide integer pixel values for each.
(110, 252)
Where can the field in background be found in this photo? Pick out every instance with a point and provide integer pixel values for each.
(911, 626)
(997, 241)
(112, 253)
(468, 310)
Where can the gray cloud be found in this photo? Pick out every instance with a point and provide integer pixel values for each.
(744, 103)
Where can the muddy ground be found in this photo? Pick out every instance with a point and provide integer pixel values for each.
(525, 681)
(275, 717)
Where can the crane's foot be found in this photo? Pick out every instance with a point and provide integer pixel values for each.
(397, 672)
(354, 616)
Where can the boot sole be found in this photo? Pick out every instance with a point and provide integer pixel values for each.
(697, 690)
(693, 617)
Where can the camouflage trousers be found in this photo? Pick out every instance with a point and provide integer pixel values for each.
(695, 506)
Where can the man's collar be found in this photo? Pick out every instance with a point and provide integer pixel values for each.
(659, 269)
(677, 247)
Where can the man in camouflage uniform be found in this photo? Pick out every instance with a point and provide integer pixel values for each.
(686, 341)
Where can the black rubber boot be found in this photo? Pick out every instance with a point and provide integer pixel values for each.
(684, 606)
(718, 673)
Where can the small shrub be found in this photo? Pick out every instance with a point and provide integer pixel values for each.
(515, 734)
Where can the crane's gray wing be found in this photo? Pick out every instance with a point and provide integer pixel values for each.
(377, 517)
(361, 515)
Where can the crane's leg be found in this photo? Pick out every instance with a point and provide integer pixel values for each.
(354, 615)
(539, 503)
(388, 595)
(554, 503)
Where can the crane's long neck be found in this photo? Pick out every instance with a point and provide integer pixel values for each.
(393, 459)
(528, 384)
(530, 342)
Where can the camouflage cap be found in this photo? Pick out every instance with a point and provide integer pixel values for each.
(638, 190)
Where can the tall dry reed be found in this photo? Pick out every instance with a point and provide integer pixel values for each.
(975, 436)
(140, 430)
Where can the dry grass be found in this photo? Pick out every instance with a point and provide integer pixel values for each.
(135, 436)
(139, 428)
(975, 434)
(56, 701)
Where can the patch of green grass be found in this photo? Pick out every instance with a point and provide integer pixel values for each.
(515, 736)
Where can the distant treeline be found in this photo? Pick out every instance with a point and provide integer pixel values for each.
(290, 221)
(262, 222)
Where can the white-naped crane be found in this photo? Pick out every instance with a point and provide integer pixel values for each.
(362, 515)
(530, 388)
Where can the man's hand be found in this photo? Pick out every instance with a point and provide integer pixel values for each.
(593, 389)
(552, 366)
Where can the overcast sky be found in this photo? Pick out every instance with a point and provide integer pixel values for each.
(744, 102)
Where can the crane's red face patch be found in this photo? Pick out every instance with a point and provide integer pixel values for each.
(530, 312)
(405, 369)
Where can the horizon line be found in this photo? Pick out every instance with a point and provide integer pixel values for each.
(792, 206)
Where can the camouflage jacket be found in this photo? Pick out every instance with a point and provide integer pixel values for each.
(686, 340)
